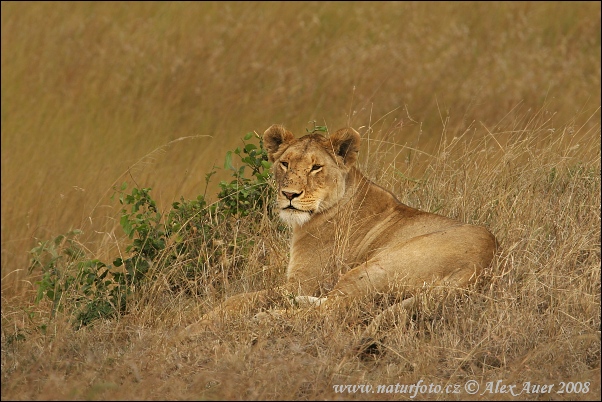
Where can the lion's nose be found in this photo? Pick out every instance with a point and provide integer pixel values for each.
(290, 196)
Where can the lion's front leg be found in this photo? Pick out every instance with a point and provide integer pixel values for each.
(240, 304)
(295, 306)
(236, 306)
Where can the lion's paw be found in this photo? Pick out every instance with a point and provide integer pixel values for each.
(309, 301)
(196, 329)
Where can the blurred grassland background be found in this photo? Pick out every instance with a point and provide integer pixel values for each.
(90, 88)
(94, 93)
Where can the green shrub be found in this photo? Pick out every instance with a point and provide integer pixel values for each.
(193, 235)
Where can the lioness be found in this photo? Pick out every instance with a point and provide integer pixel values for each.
(351, 237)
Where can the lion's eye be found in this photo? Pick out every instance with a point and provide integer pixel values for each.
(315, 168)
(284, 164)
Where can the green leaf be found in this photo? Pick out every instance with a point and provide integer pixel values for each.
(248, 136)
(127, 226)
(40, 293)
(228, 161)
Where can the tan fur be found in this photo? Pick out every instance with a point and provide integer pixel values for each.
(352, 238)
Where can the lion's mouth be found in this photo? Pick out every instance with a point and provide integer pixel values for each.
(295, 216)
(291, 208)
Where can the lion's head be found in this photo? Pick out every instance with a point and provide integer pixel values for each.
(310, 171)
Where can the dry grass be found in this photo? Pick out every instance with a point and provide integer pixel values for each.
(488, 113)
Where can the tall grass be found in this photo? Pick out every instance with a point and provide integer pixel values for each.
(485, 112)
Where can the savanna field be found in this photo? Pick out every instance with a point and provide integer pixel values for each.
(136, 197)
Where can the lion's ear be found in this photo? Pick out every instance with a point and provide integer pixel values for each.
(274, 137)
(346, 144)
